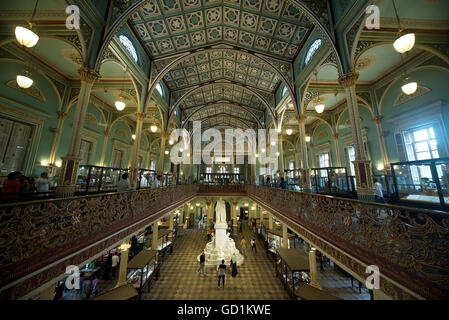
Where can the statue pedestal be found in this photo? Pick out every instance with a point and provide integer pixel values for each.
(222, 247)
(220, 235)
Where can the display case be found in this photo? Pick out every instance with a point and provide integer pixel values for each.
(422, 183)
(165, 242)
(332, 181)
(146, 178)
(276, 240)
(387, 185)
(95, 179)
(292, 268)
(141, 270)
(294, 179)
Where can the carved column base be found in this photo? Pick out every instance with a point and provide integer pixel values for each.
(364, 179)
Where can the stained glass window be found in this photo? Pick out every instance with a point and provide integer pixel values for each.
(129, 46)
(312, 50)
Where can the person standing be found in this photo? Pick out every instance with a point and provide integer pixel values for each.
(86, 288)
(234, 265)
(114, 265)
(378, 192)
(253, 245)
(11, 186)
(221, 273)
(124, 184)
(95, 285)
(202, 263)
(157, 182)
(43, 185)
(243, 246)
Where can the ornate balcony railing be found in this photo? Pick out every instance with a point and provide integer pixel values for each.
(37, 233)
(409, 245)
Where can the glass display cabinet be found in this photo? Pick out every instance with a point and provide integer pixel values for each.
(332, 181)
(294, 179)
(141, 270)
(146, 178)
(276, 240)
(165, 242)
(422, 183)
(94, 179)
(292, 268)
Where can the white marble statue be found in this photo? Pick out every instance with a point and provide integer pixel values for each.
(222, 247)
(221, 211)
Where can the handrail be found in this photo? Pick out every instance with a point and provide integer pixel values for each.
(37, 233)
(408, 244)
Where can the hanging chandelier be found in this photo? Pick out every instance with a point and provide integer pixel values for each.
(289, 131)
(319, 108)
(409, 87)
(26, 37)
(120, 105)
(405, 42)
(24, 81)
(153, 128)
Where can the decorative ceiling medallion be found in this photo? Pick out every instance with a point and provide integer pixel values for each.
(365, 62)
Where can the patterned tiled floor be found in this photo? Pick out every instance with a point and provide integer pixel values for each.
(256, 279)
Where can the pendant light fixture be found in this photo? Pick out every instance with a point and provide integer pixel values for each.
(153, 128)
(405, 42)
(27, 39)
(409, 87)
(319, 107)
(24, 81)
(25, 36)
(120, 105)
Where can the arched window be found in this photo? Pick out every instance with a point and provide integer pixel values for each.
(128, 46)
(160, 89)
(284, 91)
(312, 50)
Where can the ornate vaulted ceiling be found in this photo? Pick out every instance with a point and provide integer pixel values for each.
(273, 27)
(215, 65)
(276, 30)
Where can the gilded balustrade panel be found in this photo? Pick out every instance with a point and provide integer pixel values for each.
(51, 229)
(417, 241)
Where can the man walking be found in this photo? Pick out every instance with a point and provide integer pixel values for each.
(221, 272)
(202, 263)
(243, 246)
(253, 245)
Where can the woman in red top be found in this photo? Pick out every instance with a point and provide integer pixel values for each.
(11, 186)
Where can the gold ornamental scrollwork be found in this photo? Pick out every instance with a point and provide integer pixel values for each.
(348, 80)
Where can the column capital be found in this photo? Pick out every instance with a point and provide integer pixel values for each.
(377, 119)
(348, 80)
(107, 133)
(140, 115)
(335, 136)
(88, 75)
(62, 115)
(301, 118)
